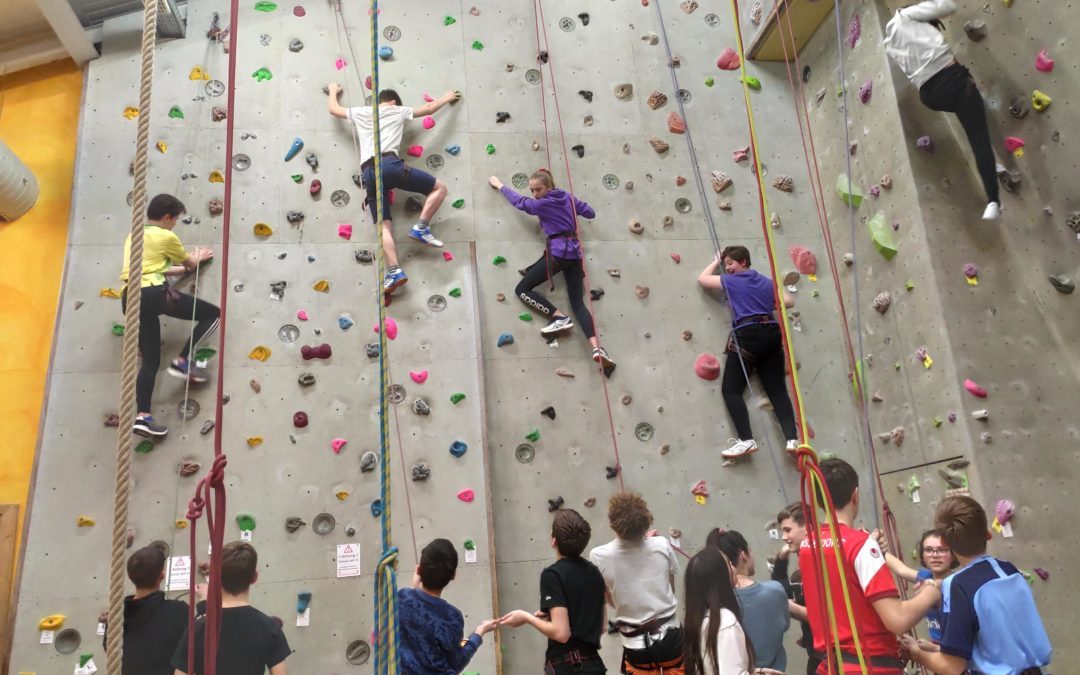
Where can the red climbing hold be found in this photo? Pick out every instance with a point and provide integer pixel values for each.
(728, 60)
(300, 420)
(804, 259)
(700, 489)
(974, 389)
(322, 351)
(675, 124)
(1043, 62)
(707, 366)
(1013, 143)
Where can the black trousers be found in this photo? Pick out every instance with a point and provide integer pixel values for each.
(763, 350)
(574, 273)
(155, 303)
(953, 90)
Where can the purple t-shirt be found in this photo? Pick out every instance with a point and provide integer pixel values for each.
(556, 211)
(750, 294)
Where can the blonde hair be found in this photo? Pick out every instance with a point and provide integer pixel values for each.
(544, 176)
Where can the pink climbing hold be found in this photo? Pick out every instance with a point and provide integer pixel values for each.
(337, 444)
(700, 489)
(427, 97)
(429, 122)
(415, 150)
(341, 63)
(866, 91)
(728, 60)
(741, 154)
(344, 231)
(447, 256)
(1043, 62)
(418, 376)
(804, 259)
(391, 328)
(1004, 511)
(925, 143)
(466, 495)
(1041, 573)
(707, 366)
(676, 257)
(299, 11)
(367, 82)
(971, 271)
(302, 315)
(1013, 143)
(854, 30)
(974, 389)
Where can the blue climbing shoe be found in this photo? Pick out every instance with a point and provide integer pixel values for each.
(145, 426)
(424, 236)
(395, 278)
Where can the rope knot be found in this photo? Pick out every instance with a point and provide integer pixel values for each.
(216, 477)
(195, 507)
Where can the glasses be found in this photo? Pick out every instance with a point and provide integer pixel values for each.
(936, 550)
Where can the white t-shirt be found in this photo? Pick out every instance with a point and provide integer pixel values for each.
(918, 47)
(731, 655)
(638, 577)
(392, 120)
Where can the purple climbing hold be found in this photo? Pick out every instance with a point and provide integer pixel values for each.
(866, 90)
(854, 30)
(925, 143)
(298, 11)
(875, 191)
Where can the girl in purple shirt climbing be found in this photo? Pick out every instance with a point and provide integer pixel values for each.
(557, 211)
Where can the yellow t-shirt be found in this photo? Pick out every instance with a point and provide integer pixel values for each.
(161, 250)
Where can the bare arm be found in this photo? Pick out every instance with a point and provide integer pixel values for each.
(554, 626)
(900, 616)
(279, 669)
(789, 300)
(452, 96)
(332, 103)
(895, 565)
(934, 660)
(709, 278)
(797, 611)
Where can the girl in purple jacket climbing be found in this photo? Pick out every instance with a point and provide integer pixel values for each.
(557, 211)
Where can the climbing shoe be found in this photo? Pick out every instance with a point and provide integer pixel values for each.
(395, 278)
(600, 355)
(183, 369)
(144, 426)
(792, 447)
(739, 448)
(992, 211)
(424, 235)
(558, 325)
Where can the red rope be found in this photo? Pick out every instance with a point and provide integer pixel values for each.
(540, 24)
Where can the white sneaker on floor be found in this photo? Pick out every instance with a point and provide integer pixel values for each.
(792, 447)
(740, 448)
(992, 211)
(557, 325)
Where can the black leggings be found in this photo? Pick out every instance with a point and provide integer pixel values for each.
(953, 90)
(764, 349)
(574, 273)
(154, 305)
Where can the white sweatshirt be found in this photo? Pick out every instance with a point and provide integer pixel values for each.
(917, 47)
(731, 655)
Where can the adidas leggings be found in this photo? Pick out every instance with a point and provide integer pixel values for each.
(154, 305)
(574, 273)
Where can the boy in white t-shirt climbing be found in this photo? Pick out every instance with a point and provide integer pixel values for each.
(395, 172)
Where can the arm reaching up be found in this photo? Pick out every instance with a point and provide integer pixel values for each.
(332, 104)
(709, 278)
(451, 96)
(519, 202)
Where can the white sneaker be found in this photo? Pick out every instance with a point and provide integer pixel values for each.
(992, 211)
(558, 325)
(792, 447)
(999, 168)
(739, 448)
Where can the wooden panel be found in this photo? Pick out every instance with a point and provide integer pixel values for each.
(9, 534)
(805, 18)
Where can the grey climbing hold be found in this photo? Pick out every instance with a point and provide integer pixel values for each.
(421, 407)
(1062, 283)
(586, 94)
(1019, 107)
(579, 150)
(295, 46)
(623, 91)
(277, 289)
(372, 350)
(882, 302)
(976, 30)
(358, 179)
(421, 472)
(1010, 180)
(502, 117)
(584, 18)
(313, 161)
(548, 412)
(363, 256)
(306, 379)
(294, 217)
(555, 504)
(1072, 221)
(207, 427)
(293, 523)
(596, 293)
(368, 462)
(612, 472)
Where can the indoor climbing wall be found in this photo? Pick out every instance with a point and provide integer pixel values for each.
(985, 395)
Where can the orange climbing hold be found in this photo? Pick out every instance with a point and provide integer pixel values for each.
(675, 124)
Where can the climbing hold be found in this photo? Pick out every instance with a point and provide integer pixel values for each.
(262, 230)
(579, 150)
(259, 353)
(650, 38)
(391, 328)
(255, 386)
(345, 322)
(295, 148)
(197, 73)
(699, 489)
(784, 183)
(641, 292)
(421, 472)
(300, 419)
(254, 441)
(622, 91)
(466, 495)
(418, 376)
(1043, 62)
(533, 435)
(51, 622)
(709, 81)
(454, 292)
(974, 389)
(117, 329)
(1018, 107)
(505, 339)
(740, 154)
(502, 117)
(882, 236)
(363, 256)
(612, 471)
(555, 504)
(162, 147)
(322, 351)
(415, 150)
(315, 188)
(386, 53)
(322, 286)
(368, 461)
(976, 30)
(458, 448)
(294, 217)
(656, 99)
(728, 60)
(337, 444)
(875, 191)
(306, 379)
(478, 46)
(636, 227)
(345, 232)
(925, 143)
(457, 397)
(302, 315)
(866, 91)
(421, 407)
(548, 412)
(453, 149)
(245, 521)
(458, 203)
(676, 257)
(720, 181)
(849, 194)
(564, 372)
(525, 316)
(1062, 283)
(449, 20)
(85, 521)
(804, 259)
(372, 350)
(1040, 101)
(707, 366)
(752, 82)
(1004, 511)
(262, 74)
(131, 112)
(490, 149)
(897, 436)
(176, 113)
(675, 124)
(1015, 145)
(774, 221)
(882, 302)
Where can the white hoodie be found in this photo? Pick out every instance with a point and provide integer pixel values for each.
(918, 47)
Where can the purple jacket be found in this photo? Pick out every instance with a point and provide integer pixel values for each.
(556, 211)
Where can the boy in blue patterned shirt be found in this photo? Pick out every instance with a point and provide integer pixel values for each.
(430, 628)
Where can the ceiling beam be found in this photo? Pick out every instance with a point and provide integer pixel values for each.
(68, 29)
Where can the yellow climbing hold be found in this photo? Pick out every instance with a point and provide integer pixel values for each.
(342, 495)
(51, 622)
(260, 353)
(180, 524)
(110, 293)
(254, 441)
(263, 230)
(216, 177)
(85, 521)
(162, 147)
(131, 112)
(1040, 101)
(197, 73)
(322, 286)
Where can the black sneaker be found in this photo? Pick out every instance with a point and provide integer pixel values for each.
(144, 426)
(185, 369)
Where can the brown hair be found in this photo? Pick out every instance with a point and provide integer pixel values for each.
(238, 564)
(793, 511)
(144, 567)
(962, 523)
(739, 254)
(953, 563)
(544, 176)
(841, 479)
(571, 532)
(629, 515)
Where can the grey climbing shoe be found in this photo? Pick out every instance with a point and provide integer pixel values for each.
(557, 326)
(145, 426)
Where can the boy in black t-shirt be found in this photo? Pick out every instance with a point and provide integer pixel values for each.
(572, 614)
(250, 641)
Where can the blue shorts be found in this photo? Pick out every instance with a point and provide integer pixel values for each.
(395, 174)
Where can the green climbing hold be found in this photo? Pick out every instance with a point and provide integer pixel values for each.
(458, 203)
(205, 353)
(850, 194)
(469, 545)
(815, 294)
(144, 447)
(897, 365)
(265, 6)
(839, 90)
(498, 260)
(826, 455)
(525, 316)
(490, 148)
(938, 422)
(882, 235)
(176, 113)
(245, 521)
(478, 46)
(709, 82)
(454, 292)
(533, 436)
(117, 329)
(449, 20)
(457, 397)
(910, 285)
(263, 74)
(85, 659)
(753, 82)
(297, 177)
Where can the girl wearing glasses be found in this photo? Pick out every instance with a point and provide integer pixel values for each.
(938, 562)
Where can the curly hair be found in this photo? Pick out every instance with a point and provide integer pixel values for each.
(629, 515)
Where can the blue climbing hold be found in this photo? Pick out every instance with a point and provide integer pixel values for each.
(344, 322)
(295, 148)
(458, 448)
(505, 339)
(453, 149)
(376, 508)
(303, 600)
(386, 53)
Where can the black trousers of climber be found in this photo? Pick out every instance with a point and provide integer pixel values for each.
(574, 273)
(953, 90)
(156, 302)
(763, 349)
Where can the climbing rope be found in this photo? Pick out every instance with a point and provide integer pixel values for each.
(130, 363)
(541, 25)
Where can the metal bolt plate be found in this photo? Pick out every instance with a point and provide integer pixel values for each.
(524, 453)
(214, 87)
(685, 96)
(520, 181)
(188, 409)
(683, 205)
(643, 431)
(323, 523)
(358, 652)
(241, 162)
(339, 198)
(396, 393)
(712, 21)
(435, 162)
(532, 76)
(436, 303)
(392, 33)
(288, 333)
(567, 24)
(611, 181)
(264, 39)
